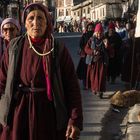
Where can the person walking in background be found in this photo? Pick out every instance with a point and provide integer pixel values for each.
(96, 49)
(82, 66)
(84, 24)
(42, 94)
(10, 28)
(115, 43)
(127, 60)
(122, 31)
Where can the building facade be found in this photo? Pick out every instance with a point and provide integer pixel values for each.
(82, 10)
(98, 9)
(64, 10)
(106, 9)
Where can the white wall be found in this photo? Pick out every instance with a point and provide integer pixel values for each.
(137, 32)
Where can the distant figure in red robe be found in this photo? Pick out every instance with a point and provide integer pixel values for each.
(97, 60)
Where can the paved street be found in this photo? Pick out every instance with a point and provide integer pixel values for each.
(94, 109)
(100, 122)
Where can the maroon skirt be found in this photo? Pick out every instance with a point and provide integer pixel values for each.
(33, 119)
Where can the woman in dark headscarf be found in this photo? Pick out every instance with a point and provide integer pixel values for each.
(40, 94)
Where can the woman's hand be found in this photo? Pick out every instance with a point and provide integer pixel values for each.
(105, 42)
(72, 132)
(95, 52)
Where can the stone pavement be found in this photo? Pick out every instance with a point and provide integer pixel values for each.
(100, 122)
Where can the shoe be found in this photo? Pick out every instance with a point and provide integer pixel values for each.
(101, 95)
(94, 92)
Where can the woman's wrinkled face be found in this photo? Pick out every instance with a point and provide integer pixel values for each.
(9, 31)
(36, 23)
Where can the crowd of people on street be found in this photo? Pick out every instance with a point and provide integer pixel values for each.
(106, 53)
(72, 26)
(39, 89)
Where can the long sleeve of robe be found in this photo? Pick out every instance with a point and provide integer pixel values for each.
(34, 115)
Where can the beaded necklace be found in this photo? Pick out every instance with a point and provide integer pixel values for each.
(40, 54)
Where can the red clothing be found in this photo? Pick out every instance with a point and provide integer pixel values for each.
(3, 45)
(34, 115)
(97, 71)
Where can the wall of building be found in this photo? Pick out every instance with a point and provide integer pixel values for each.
(64, 12)
(82, 10)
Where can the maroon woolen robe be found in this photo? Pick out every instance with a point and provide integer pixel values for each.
(34, 115)
(97, 71)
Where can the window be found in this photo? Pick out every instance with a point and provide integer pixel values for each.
(103, 12)
(78, 13)
(61, 12)
(60, 3)
(88, 10)
(97, 15)
(94, 15)
(68, 2)
(84, 10)
(66, 12)
(100, 12)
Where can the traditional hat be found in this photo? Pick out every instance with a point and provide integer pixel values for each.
(98, 28)
(40, 5)
(10, 20)
(111, 26)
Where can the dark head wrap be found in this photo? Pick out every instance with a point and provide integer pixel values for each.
(40, 6)
(98, 28)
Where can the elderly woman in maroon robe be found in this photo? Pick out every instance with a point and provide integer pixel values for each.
(40, 94)
(97, 60)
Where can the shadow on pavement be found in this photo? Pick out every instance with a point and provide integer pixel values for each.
(111, 123)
